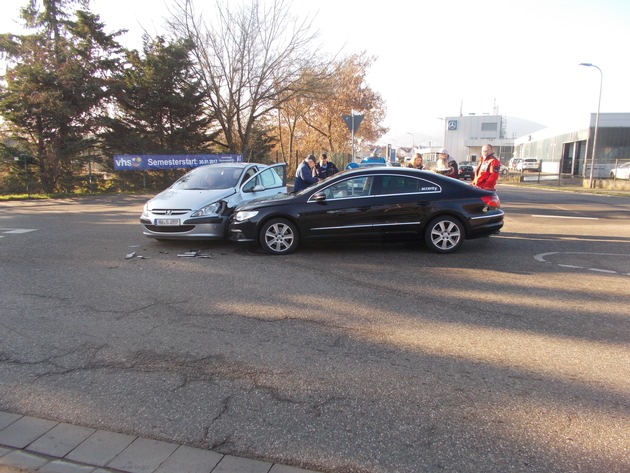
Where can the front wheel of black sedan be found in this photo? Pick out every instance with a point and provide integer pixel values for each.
(279, 237)
(444, 234)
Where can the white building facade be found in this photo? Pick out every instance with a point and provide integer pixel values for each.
(465, 135)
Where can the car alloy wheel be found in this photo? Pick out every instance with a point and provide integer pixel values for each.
(444, 234)
(279, 237)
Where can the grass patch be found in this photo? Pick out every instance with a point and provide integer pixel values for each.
(25, 197)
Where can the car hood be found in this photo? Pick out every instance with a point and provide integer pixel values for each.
(264, 201)
(188, 199)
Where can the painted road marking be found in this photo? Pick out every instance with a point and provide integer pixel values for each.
(565, 216)
(18, 230)
(15, 231)
(541, 257)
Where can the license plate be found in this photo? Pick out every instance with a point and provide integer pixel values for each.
(167, 222)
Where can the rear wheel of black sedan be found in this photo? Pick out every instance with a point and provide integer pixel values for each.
(279, 237)
(444, 234)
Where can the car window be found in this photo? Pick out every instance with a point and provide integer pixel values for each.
(380, 185)
(209, 178)
(398, 185)
(355, 187)
(394, 184)
(269, 179)
(250, 172)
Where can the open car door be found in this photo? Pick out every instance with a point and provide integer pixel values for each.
(266, 183)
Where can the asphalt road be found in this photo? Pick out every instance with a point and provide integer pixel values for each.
(510, 355)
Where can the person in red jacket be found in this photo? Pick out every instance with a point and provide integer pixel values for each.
(488, 169)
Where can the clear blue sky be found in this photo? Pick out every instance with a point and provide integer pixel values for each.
(437, 58)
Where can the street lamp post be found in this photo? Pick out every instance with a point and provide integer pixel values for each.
(413, 140)
(445, 123)
(599, 102)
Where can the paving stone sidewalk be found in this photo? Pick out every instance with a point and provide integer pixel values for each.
(31, 444)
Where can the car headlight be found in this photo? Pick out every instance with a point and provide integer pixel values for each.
(145, 210)
(243, 215)
(210, 209)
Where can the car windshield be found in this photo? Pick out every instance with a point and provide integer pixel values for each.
(209, 178)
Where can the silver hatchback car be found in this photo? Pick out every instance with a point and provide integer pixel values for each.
(528, 164)
(198, 205)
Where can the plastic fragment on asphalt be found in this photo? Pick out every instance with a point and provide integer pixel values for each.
(189, 254)
(193, 254)
(130, 255)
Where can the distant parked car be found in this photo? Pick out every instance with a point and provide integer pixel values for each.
(374, 160)
(621, 172)
(513, 163)
(466, 171)
(528, 164)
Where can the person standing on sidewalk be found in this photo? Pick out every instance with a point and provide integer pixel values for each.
(325, 168)
(446, 164)
(488, 169)
(417, 162)
(305, 176)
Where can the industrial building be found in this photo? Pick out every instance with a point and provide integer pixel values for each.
(570, 152)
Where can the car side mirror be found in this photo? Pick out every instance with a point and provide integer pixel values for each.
(319, 197)
(257, 188)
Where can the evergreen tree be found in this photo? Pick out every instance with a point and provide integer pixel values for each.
(56, 86)
(159, 107)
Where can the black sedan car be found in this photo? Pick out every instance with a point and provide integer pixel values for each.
(466, 171)
(373, 204)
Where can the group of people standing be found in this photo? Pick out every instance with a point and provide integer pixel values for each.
(310, 171)
(445, 165)
(486, 173)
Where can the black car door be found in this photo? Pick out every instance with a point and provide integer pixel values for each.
(399, 204)
(340, 210)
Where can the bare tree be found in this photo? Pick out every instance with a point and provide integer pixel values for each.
(315, 120)
(250, 57)
(290, 117)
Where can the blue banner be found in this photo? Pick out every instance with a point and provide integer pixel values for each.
(146, 162)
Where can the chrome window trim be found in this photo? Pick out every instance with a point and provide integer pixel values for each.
(433, 184)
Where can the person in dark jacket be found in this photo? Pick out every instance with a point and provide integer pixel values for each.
(452, 163)
(325, 168)
(304, 175)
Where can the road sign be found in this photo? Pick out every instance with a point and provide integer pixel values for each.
(352, 121)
